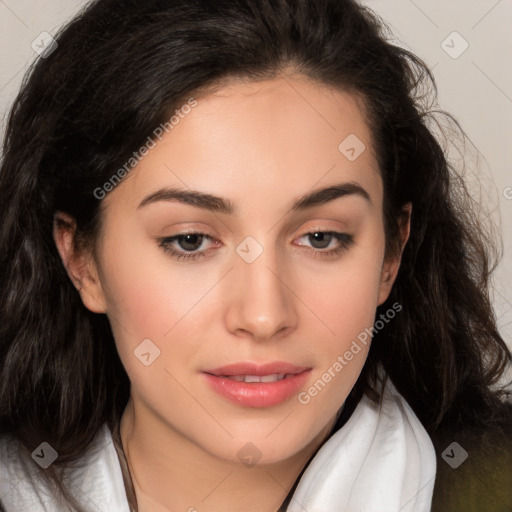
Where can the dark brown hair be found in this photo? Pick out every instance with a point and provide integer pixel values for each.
(120, 68)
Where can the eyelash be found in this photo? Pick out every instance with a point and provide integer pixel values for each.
(345, 242)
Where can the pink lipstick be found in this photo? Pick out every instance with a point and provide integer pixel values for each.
(251, 385)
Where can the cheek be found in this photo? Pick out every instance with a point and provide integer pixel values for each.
(153, 310)
(345, 296)
(344, 303)
(150, 297)
(146, 291)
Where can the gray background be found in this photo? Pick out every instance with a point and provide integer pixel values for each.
(474, 85)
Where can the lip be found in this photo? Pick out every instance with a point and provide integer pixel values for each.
(250, 368)
(257, 394)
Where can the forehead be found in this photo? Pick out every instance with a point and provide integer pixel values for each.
(258, 140)
(292, 113)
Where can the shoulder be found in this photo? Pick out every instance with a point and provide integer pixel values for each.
(94, 480)
(474, 467)
(19, 490)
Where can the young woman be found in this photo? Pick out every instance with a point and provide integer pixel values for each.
(238, 273)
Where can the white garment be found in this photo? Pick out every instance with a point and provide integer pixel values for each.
(97, 484)
(381, 460)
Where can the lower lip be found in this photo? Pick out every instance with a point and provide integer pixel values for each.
(257, 394)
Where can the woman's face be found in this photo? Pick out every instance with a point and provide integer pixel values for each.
(246, 246)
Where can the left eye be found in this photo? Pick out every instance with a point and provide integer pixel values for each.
(330, 240)
(320, 240)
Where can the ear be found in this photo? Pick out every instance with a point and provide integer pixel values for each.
(392, 262)
(79, 263)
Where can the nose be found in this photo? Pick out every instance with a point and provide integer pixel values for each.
(260, 300)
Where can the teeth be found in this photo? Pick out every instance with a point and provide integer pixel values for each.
(238, 378)
(256, 378)
(272, 378)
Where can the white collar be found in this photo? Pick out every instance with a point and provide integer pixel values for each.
(381, 460)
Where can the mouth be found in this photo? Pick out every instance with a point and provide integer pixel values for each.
(250, 385)
(255, 378)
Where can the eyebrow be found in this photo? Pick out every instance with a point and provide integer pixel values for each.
(325, 195)
(191, 197)
(220, 205)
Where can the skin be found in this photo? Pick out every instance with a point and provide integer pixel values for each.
(260, 145)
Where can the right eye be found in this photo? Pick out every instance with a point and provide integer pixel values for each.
(186, 246)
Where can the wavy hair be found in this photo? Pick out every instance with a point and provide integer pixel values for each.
(120, 69)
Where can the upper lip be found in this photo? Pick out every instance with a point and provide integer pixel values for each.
(250, 368)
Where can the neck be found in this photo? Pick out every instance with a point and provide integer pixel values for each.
(172, 473)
